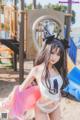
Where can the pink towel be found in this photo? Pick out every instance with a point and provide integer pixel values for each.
(23, 101)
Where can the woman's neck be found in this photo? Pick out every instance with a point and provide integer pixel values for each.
(50, 66)
(51, 69)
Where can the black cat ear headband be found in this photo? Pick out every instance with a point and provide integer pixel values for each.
(51, 38)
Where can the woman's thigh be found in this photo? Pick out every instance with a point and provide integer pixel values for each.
(55, 115)
(39, 115)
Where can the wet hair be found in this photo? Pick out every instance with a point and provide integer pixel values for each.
(44, 56)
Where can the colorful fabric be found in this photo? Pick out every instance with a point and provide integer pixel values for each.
(23, 100)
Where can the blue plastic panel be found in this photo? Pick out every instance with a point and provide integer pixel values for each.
(74, 75)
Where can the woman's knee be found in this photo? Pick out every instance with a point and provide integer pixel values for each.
(39, 115)
(56, 114)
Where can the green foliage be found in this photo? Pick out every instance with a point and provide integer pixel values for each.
(2, 26)
(28, 7)
(73, 17)
(61, 8)
(57, 7)
(39, 6)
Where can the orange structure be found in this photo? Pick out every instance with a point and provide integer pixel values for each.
(9, 20)
(9, 24)
(6, 54)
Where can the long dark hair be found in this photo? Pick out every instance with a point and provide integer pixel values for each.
(44, 56)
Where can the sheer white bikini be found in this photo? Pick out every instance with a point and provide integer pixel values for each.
(53, 95)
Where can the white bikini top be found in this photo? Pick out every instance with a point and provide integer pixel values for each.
(54, 92)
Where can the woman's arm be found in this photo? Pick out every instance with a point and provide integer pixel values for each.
(28, 80)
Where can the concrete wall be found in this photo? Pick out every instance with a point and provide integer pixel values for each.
(31, 17)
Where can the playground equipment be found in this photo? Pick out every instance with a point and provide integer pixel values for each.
(9, 26)
(74, 51)
(70, 63)
(9, 21)
(73, 58)
(43, 27)
(73, 87)
(12, 45)
(37, 22)
(6, 56)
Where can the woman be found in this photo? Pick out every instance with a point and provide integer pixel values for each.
(46, 72)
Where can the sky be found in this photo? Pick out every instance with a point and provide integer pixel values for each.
(75, 7)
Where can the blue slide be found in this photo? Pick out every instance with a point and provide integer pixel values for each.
(73, 87)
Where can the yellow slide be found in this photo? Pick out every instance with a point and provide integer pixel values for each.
(70, 63)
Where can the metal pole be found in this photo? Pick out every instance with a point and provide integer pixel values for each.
(15, 18)
(15, 56)
(67, 36)
(34, 4)
(21, 40)
(68, 20)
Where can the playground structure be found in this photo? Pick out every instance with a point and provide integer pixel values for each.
(9, 21)
(8, 26)
(6, 56)
(74, 51)
(36, 25)
(31, 24)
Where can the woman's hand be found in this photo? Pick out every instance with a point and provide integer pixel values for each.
(28, 80)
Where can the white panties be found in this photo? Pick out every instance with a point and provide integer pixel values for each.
(47, 110)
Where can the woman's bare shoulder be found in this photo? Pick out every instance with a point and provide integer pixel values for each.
(38, 68)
